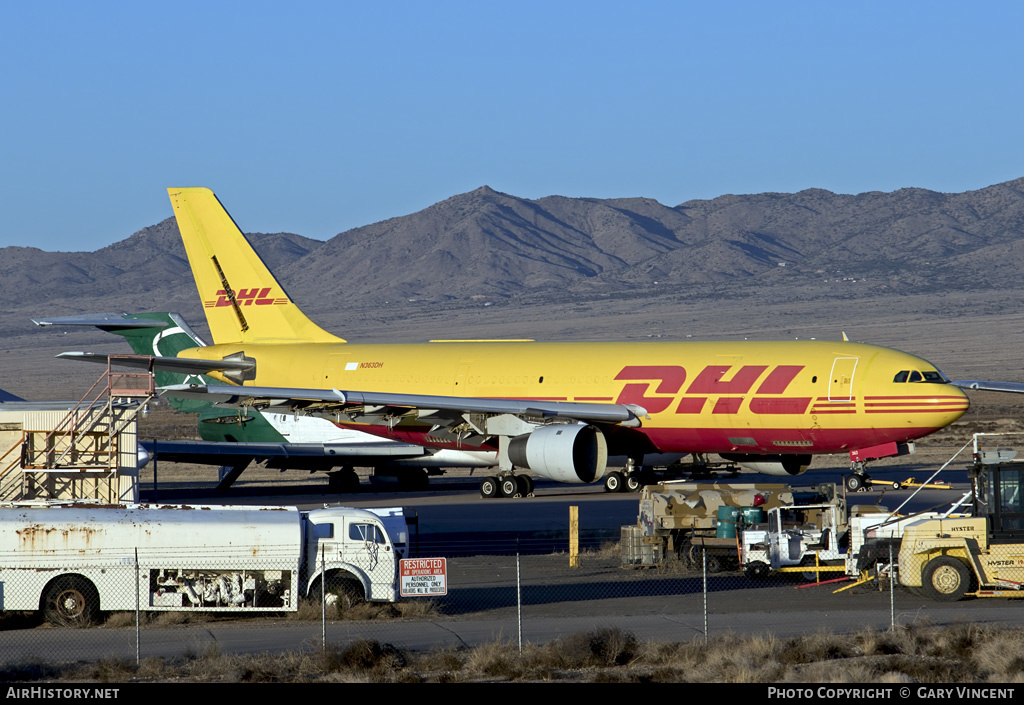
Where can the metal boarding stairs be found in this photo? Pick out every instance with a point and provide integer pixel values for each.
(96, 436)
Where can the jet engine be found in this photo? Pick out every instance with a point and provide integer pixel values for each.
(572, 453)
(784, 465)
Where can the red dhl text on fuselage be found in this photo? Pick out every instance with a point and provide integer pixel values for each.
(778, 396)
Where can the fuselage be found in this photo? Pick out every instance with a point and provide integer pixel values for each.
(776, 397)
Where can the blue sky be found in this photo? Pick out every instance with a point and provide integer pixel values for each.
(325, 116)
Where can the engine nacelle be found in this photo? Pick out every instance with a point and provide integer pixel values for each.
(783, 465)
(572, 453)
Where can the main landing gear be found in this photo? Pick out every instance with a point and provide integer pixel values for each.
(632, 478)
(506, 486)
(616, 481)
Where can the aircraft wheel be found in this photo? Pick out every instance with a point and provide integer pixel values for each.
(489, 487)
(945, 579)
(854, 482)
(414, 479)
(525, 485)
(343, 481)
(633, 483)
(509, 487)
(613, 482)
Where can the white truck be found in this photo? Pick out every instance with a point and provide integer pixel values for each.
(73, 561)
(796, 535)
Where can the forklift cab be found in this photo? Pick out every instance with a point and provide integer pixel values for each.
(999, 495)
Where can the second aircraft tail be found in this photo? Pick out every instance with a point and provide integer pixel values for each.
(242, 299)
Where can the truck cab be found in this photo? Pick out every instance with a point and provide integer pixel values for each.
(796, 535)
(352, 548)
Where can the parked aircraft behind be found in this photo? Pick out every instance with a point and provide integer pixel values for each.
(232, 440)
(1013, 387)
(558, 409)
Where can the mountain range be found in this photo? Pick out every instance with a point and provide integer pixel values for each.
(485, 246)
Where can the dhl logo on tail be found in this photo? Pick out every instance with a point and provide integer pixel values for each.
(245, 297)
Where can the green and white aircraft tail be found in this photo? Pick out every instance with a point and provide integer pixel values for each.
(232, 439)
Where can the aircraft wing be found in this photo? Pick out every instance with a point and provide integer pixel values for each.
(224, 453)
(169, 364)
(392, 406)
(990, 386)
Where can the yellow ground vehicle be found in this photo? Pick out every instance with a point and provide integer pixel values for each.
(982, 555)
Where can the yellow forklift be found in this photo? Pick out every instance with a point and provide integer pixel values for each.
(949, 558)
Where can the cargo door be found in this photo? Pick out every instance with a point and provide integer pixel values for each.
(840, 384)
(332, 374)
(459, 388)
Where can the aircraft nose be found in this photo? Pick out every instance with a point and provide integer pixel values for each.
(952, 404)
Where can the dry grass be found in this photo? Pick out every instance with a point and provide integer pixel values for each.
(307, 612)
(966, 653)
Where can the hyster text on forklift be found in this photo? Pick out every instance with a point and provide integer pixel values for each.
(981, 555)
(72, 562)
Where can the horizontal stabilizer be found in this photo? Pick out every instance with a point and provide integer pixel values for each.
(219, 453)
(103, 321)
(169, 364)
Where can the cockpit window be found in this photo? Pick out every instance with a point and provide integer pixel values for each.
(930, 376)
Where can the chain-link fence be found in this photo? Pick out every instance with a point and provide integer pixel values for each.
(132, 607)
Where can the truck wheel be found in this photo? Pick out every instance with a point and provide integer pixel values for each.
(897, 486)
(812, 576)
(613, 483)
(71, 602)
(715, 564)
(489, 487)
(758, 570)
(347, 592)
(342, 592)
(945, 579)
(509, 487)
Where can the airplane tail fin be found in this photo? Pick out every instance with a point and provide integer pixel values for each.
(242, 299)
(166, 340)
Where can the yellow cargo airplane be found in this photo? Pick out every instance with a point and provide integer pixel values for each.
(557, 409)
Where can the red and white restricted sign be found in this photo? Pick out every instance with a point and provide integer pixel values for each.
(423, 577)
